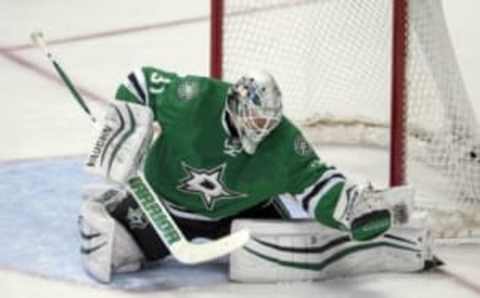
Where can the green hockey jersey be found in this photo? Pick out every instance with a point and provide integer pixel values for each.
(197, 166)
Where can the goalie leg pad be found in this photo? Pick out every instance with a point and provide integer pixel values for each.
(107, 247)
(304, 250)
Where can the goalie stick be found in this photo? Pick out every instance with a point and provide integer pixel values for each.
(156, 212)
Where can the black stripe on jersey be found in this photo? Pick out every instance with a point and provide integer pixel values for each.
(133, 79)
(317, 189)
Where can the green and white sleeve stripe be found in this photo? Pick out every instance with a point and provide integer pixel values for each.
(320, 199)
(136, 84)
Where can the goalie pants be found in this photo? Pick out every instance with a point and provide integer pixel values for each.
(153, 247)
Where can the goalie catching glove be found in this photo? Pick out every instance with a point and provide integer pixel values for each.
(122, 140)
(369, 213)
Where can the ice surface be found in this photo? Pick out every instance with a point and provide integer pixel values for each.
(38, 224)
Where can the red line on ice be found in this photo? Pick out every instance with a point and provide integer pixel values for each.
(110, 33)
(49, 75)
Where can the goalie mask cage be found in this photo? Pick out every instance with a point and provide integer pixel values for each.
(369, 72)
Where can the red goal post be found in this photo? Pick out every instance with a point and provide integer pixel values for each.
(398, 117)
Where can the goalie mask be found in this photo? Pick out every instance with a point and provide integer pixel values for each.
(255, 105)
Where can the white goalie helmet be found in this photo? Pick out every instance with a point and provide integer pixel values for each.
(255, 105)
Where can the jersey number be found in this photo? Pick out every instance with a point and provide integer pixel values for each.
(159, 82)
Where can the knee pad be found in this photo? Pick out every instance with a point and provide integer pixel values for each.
(106, 246)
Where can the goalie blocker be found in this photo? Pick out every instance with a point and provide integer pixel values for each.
(299, 250)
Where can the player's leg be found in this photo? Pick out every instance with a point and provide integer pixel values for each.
(106, 245)
(214, 229)
(195, 226)
(289, 250)
(116, 236)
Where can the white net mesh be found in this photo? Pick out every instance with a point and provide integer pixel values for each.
(332, 59)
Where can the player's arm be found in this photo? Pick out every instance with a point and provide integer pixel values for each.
(163, 92)
(146, 86)
(126, 131)
(123, 136)
(336, 201)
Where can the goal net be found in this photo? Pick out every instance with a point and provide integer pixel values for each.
(368, 72)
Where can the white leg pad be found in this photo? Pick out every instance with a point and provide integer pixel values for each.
(107, 247)
(304, 250)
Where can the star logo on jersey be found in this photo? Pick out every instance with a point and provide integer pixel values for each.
(208, 184)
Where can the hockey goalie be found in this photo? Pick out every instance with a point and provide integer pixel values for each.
(225, 157)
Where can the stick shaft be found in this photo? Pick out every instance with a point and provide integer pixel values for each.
(72, 88)
(39, 41)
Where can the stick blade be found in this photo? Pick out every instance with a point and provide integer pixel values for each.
(194, 253)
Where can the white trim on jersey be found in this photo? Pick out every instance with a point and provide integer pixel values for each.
(136, 83)
(325, 189)
(224, 122)
(292, 205)
(312, 195)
